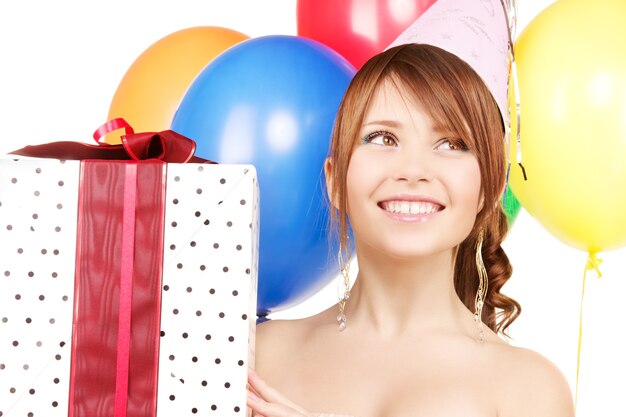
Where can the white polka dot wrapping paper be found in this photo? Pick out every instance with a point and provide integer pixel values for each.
(209, 298)
(38, 207)
(204, 342)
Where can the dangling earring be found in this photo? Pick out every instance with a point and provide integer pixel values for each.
(344, 268)
(482, 287)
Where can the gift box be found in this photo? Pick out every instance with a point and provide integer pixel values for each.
(126, 287)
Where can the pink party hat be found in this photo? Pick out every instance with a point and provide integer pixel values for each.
(477, 31)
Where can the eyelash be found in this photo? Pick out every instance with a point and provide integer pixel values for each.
(455, 142)
(370, 136)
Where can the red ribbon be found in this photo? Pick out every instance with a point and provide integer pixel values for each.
(126, 290)
(117, 294)
(166, 146)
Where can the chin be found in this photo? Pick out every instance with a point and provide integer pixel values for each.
(417, 252)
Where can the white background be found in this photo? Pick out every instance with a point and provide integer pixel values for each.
(61, 62)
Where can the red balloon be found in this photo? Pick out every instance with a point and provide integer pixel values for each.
(357, 29)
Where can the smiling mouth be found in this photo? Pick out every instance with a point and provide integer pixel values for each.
(410, 207)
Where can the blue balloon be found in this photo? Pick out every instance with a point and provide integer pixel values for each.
(271, 102)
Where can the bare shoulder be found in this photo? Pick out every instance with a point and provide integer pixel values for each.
(273, 335)
(278, 342)
(533, 385)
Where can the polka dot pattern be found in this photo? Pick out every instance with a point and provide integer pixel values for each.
(204, 325)
(38, 208)
(209, 287)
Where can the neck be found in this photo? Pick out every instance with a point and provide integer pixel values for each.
(399, 296)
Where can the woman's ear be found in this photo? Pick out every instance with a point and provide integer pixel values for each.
(328, 168)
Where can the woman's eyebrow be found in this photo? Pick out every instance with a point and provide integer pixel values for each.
(390, 123)
(443, 130)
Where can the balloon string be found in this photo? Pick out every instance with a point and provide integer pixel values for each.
(518, 138)
(506, 184)
(510, 13)
(593, 262)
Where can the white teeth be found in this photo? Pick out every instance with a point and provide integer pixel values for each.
(410, 207)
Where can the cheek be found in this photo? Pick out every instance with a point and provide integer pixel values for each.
(476, 187)
(362, 179)
(355, 181)
(468, 184)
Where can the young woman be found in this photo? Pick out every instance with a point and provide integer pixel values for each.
(416, 171)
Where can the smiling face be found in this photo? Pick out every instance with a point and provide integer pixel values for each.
(408, 185)
(413, 188)
(423, 90)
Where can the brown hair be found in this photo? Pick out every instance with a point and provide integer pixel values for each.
(456, 98)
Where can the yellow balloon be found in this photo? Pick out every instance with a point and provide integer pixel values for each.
(153, 86)
(571, 62)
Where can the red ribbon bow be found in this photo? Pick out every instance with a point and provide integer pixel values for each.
(167, 146)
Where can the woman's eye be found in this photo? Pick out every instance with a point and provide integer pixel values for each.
(381, 138)
(452, 145)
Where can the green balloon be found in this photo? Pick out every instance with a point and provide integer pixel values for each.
(511, 205)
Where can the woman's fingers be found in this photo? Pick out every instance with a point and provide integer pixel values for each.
(268, 393)
(269, 402)
(262, 408)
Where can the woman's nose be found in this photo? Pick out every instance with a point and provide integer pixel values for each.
(413, 165)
